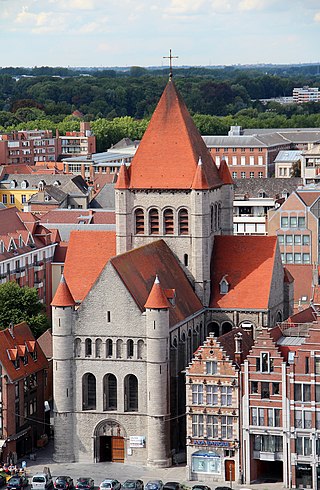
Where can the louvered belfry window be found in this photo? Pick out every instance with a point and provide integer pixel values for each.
(139, 221)
(168, 222)
(183, 222)
(154, 221)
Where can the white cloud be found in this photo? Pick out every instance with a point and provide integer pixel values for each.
(317, 17)
(255, 4)
(74, 4)
(184, 7)
(40, 22)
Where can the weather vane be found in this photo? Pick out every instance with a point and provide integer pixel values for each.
(170, 57)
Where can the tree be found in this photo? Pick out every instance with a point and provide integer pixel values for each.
(18, 304)
(296, 169)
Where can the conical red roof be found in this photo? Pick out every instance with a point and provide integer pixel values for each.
(157, 299)
(167, 157)
(200, 180)
(63, 297)
(123, 178)
(224, 173)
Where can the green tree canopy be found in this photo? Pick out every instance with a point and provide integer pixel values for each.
(18, 304)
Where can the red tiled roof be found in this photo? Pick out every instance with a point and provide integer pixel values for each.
(73, 216)
(308, 197)
(63, 296)
(288, 277)
(157, 298)
(138, 268)
(308, 315)
(123, 180)
(45, 342)
(167, 157)
(303, 279)
(247, 262)
(200, 181)
(88, 252)
(60, 252)
(228, 344)
(9, 346)
(224, 173)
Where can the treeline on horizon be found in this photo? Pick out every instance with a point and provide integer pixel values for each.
(120, 104)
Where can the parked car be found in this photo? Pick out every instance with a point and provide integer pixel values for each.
(110, 485)
(42, 481)
(172, 485)
(3, 480)
(17, 482)
(133, 484)
(85, 483)
(64, 483)
(223, 488)
(154, 485)
(200, 487)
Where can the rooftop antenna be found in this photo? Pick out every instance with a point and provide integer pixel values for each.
(170, 57)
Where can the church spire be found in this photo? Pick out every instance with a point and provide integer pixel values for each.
(123, 177)
(170, 57)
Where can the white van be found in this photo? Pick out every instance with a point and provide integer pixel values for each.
(42, 481)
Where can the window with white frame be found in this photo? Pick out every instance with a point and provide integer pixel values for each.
(212, 426)
(303, 446)
(273, 417)
(254, 416)
(197, 394)
(317, 420)
(197, 425)
(211, 367)
(212, 394)
(264, 364)
(261, 420)
(302, 392)
(317, 365)
(226, 396)
(226, 427)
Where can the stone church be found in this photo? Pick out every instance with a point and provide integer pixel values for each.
(133, 306)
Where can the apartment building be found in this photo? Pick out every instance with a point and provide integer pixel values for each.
(296, 224)
(305, 94)
(27, 147)
(76, 143)
(26, 252)
(310, 165)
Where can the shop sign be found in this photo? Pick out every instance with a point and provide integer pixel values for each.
(224, 444)
(137, 441)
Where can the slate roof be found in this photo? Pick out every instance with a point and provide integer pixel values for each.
(138, 268)
(9, 345)
(247, 262)
(168, 155)
(288, 156)
(88, 252)
(273, 188)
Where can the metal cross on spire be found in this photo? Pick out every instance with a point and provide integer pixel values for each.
(170, 57)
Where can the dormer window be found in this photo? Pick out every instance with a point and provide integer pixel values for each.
(56, 183)
(41, 185)
(24, 184)
(13, 184)
(224, 286)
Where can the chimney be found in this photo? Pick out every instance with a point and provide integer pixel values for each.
(238, 354)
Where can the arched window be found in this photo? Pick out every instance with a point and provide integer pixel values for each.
(109, 348)
(216, 219)
(109, 392)
(88, 347)
(168, 225)
(140, 349)
(183, 220)
(98, 347)
(219, 216)
(129, 348)
(88, 392)
(139, 221)
(213, 327)
(77, 347)
(212, 217)
(154, 221)
(119, 348)
(130, 393)
(226, 327)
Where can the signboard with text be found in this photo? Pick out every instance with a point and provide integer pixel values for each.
(137, 441)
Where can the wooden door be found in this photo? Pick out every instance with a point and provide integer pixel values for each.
(117, 445)
(229, 467)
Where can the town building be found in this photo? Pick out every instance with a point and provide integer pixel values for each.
(23, 369)
(305, 94)
(296, 224)
(126, 324)
(40, 193)
(285, 163)
(253, 198)
(213, 407)
(310, 165)
(26, 252)
(76, 143)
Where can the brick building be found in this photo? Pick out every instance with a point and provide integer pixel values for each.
(23, 369)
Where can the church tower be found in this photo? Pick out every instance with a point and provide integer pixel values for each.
(62, 341)
(173, 191)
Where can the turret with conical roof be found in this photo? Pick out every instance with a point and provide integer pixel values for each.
(157, 328)
(62, 318)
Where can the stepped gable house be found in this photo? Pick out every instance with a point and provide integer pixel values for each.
(120, 349)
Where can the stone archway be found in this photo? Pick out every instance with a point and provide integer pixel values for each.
(109, 441)
(213, 327)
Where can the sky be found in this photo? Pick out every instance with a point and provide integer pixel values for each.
(140, 32)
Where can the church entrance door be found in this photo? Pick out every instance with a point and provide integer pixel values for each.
(117, 448)
(105, 448)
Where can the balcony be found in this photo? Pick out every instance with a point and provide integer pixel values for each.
(20, 272)
(268, 456)
(38, 265)
(38, 284)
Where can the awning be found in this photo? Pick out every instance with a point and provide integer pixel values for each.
(16, 436)
(2, 442)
